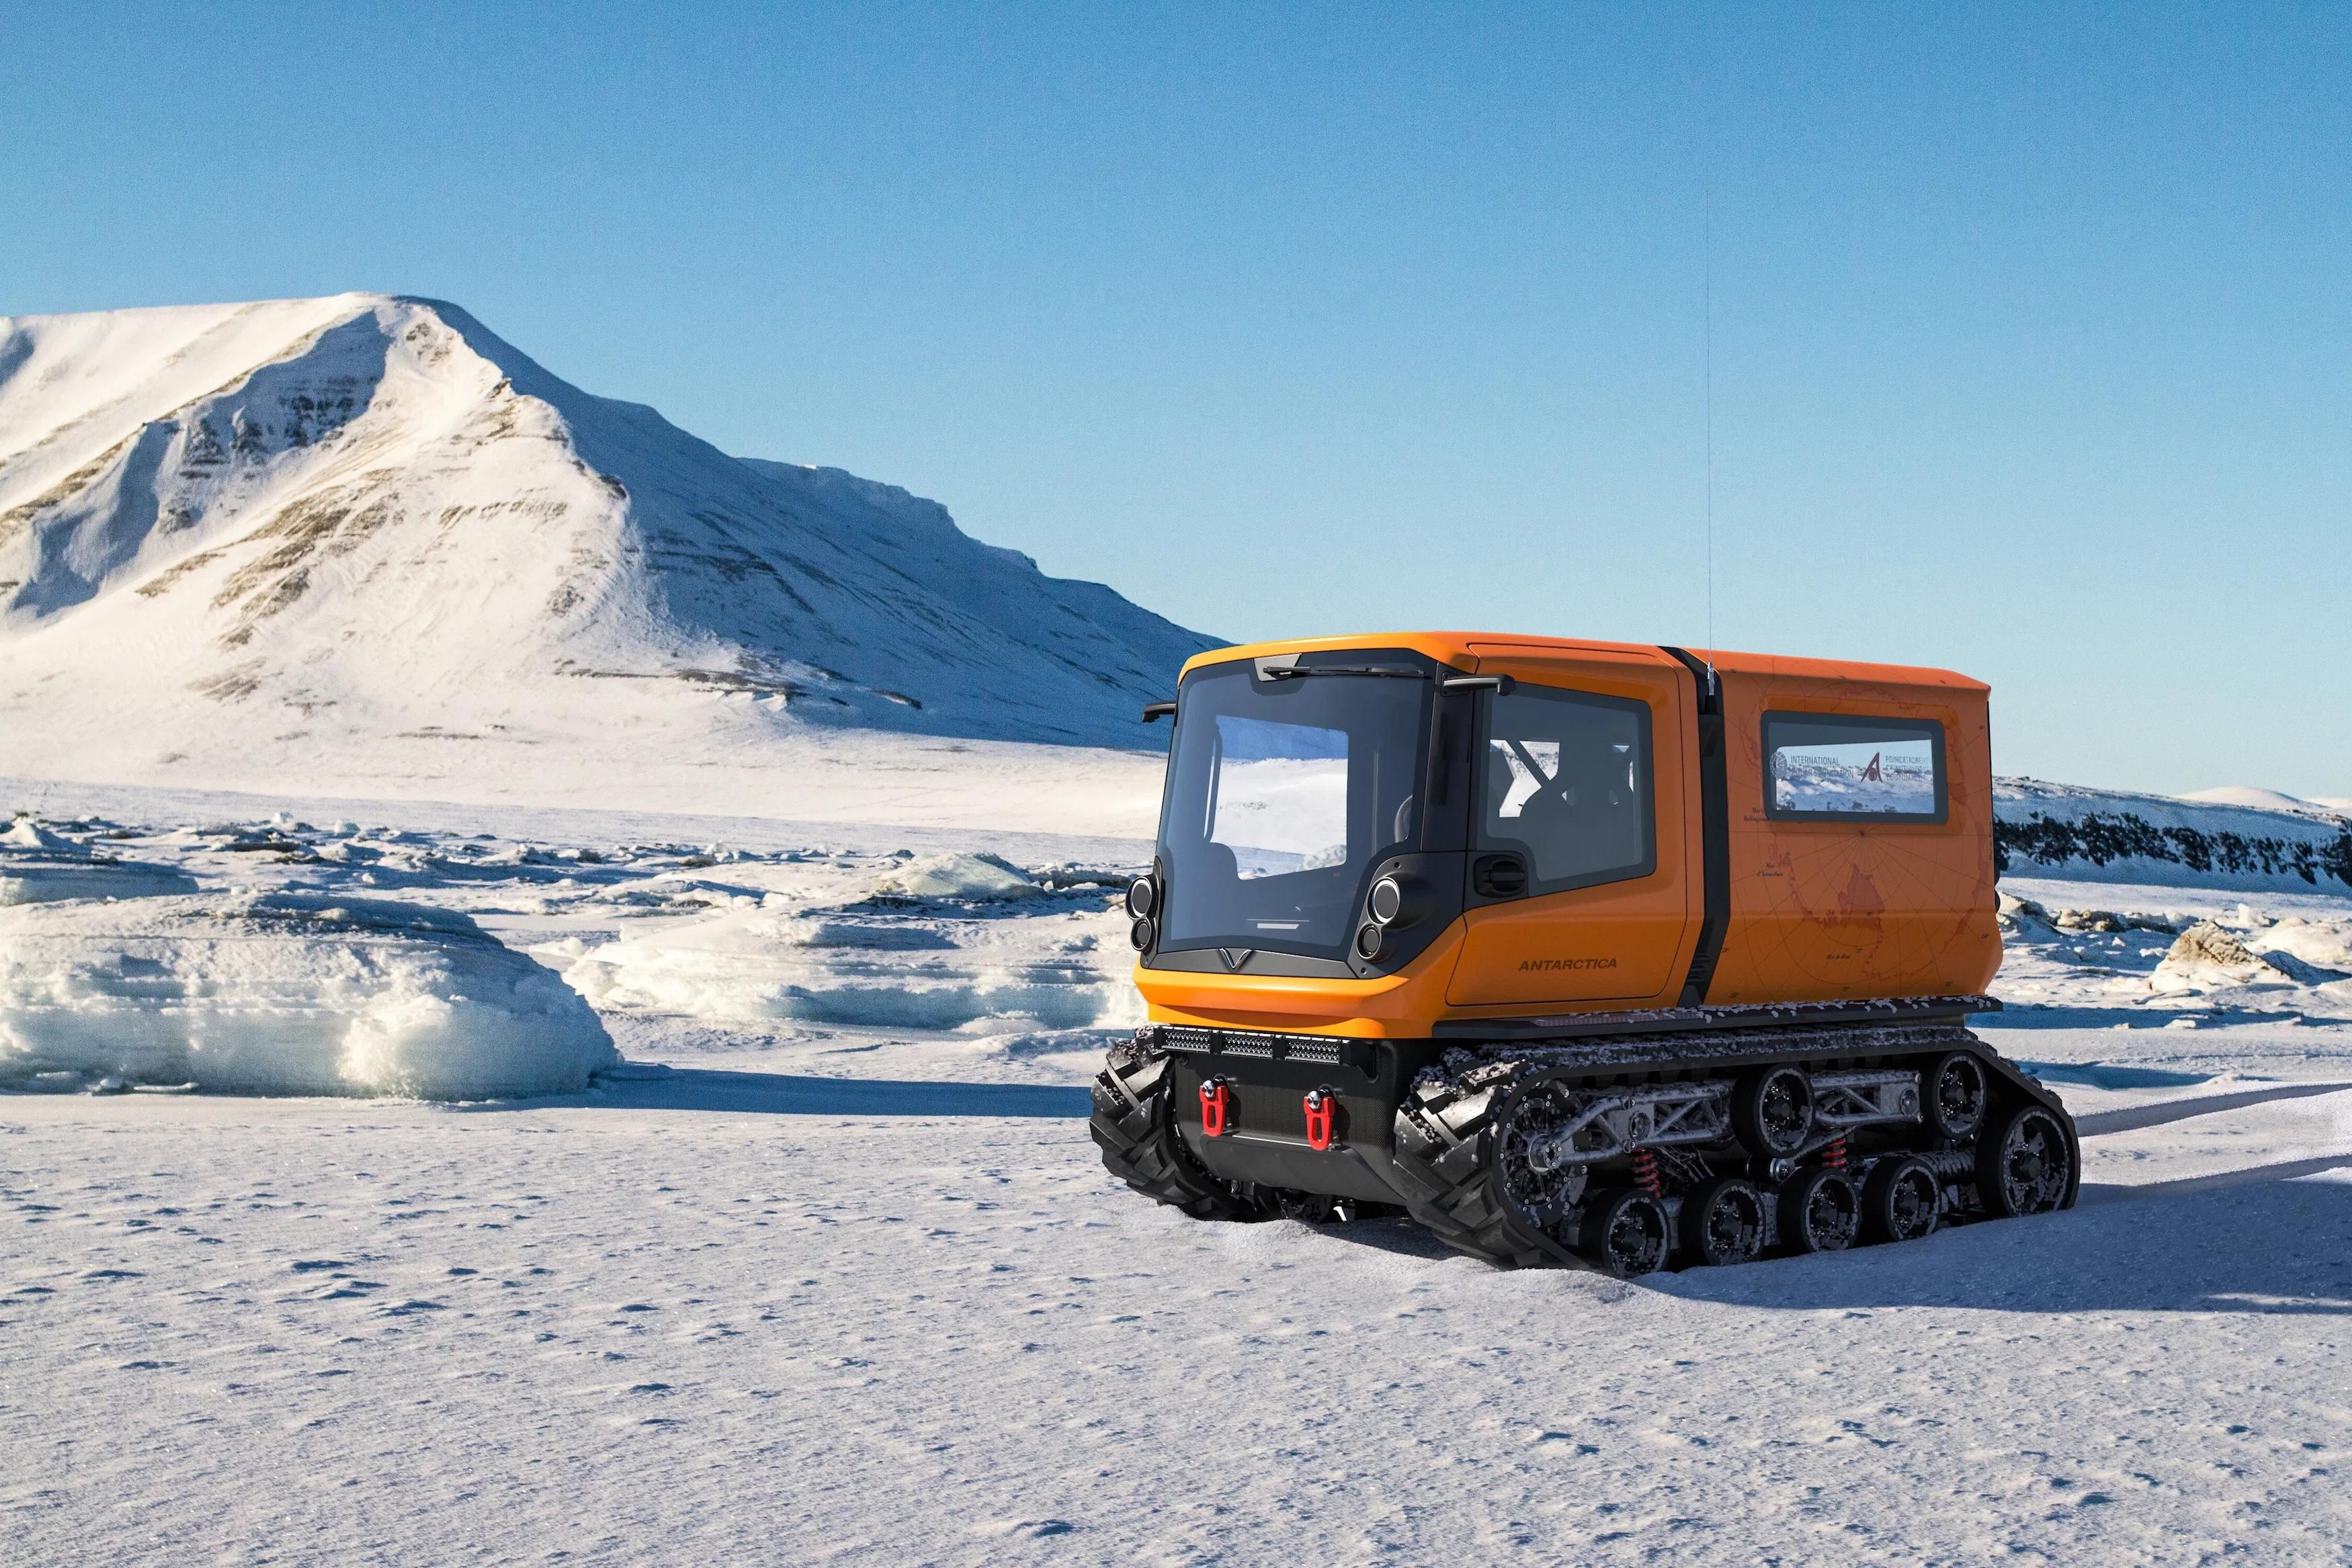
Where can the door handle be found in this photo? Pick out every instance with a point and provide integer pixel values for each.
(1498, 876)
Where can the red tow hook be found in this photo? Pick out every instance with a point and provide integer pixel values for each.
(1216, 1108)
(1322, 1118)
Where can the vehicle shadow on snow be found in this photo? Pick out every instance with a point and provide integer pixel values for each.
(641, 1087)
(2034, 1015)
(2243, 1242)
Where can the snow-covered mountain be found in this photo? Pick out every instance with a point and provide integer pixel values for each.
(361, 545)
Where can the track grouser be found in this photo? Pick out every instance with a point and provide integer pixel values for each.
(1576, 952)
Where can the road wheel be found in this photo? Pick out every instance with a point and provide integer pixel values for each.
(1723, 1222)
(1953, 1095)
(1820, 1211)
(1902, 1200)
(1625, 1233)
(1772, 1111)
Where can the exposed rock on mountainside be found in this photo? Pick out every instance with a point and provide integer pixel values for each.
(2042, 830)
(364, 540)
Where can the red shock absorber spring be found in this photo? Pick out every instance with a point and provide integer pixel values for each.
(1646, 1173)
(1833, 1154)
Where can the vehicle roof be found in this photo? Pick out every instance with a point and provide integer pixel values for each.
(1463, 650)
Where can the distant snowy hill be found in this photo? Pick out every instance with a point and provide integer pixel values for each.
(2273, 800)
(362, 546)
(2235, 837)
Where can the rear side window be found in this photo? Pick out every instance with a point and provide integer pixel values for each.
(1826, 767)
(1564, 780)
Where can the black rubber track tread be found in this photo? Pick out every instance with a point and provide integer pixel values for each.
(1134, 1124)
(1443, 1158)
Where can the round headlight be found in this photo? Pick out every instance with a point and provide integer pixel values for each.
(1388, 899)
(1370, 940)
(1142, 897)
(1141, 933)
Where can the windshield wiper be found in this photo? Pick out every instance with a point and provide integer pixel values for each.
(1289, 671)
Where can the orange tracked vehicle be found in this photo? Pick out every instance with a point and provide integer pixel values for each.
(1576, 951)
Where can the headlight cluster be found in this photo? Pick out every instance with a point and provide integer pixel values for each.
(1397, 900)
(1142, 904)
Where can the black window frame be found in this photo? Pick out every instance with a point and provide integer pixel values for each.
(1483, 843)
(1410, 665)
(1937, 745)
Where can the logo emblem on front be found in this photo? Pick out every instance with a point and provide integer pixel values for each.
(1236, 957)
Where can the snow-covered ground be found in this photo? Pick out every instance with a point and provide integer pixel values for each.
(829, 1272)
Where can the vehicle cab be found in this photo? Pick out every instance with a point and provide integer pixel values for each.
(1371, 836)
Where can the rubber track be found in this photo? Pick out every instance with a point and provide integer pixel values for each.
(1445, 1148)
(1135, 1125)
(1441, 1161)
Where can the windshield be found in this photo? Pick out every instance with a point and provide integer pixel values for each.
(1282, 794)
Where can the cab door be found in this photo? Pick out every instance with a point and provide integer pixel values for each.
(1583, 881)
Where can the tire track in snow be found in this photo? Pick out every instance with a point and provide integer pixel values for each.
(2284, 1170)
(2131, 1118)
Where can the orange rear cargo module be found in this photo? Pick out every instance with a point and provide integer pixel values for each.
(1576, 952)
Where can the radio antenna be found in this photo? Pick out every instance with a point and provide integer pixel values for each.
(1706, 267)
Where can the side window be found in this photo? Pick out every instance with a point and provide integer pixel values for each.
(1820, 767)
(1564, 779)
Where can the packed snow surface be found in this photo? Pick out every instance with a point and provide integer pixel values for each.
(362, 546)
(827, 1269)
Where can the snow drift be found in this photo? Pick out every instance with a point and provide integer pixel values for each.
(37, 866)
(286, 993)
(950, 942)
(361, 545)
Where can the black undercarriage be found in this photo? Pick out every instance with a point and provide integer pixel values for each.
(1628, 1143)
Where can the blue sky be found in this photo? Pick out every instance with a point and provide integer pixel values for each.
(2033, 325)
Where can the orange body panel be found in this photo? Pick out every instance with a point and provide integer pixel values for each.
(1836, 911)
(1623, 943)
(1820, 911)
(1401, 1007)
